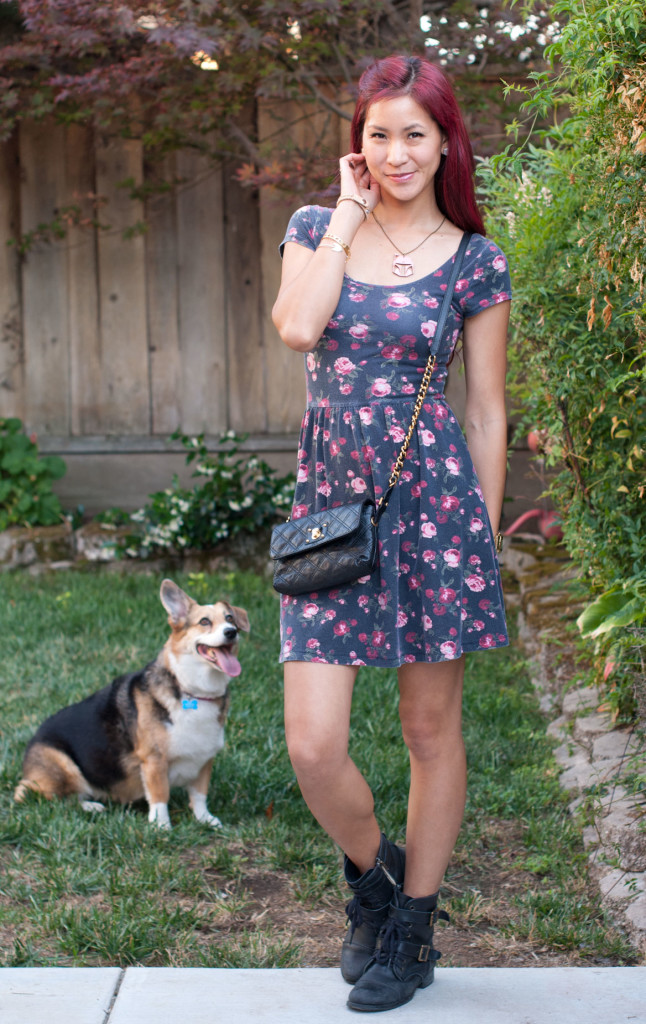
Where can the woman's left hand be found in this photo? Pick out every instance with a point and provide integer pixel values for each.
(356, 178)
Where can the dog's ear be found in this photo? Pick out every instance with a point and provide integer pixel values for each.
(175, 601)
(241, 618)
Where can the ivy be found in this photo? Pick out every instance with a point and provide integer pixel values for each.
(571, 214)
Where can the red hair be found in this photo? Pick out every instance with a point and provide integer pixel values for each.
(430, 88)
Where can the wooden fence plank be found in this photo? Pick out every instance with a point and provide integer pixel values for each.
(125, 404)
(202, 296)
(163, 309)
(44, 281)
(245, 341)
(11, 353)
(84, 330)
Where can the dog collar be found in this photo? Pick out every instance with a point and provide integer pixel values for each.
(189, 699)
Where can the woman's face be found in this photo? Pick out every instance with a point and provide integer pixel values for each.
(402, 145)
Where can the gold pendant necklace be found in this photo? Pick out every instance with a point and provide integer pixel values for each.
(401, 266)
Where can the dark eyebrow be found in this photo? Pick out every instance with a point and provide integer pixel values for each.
(376, 127)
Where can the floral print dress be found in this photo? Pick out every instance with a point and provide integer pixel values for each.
(436, 591)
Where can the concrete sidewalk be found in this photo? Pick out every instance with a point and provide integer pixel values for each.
(550, 995)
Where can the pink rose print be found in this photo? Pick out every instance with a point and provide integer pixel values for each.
(299, 510)
(427, 623)
(476, 525)
(474, 560)
(483, 605)
(312, 643)
(461, 284)
(311, 362)
(452, 557)
(303, 471)
(427, 437)
(392, 316)
(440, 412)
(414, 582)
(453, 466)
(449, 649)
(447, 595)
(346, 389)
(287, 647)
(499, 263)
(344, 366)
(475, 583)
(397, 433)
(428, 328)
(335, 448)
(429, 529)
(431, 302)
(383, 600)
(357, 297)
(398, 300)
(378, 638)
(325, 489)
(393, 351)
(380, 388)
(365, 415)
(310, 610)
(341, 628)
(449, 503)
(478, 624)
(359, 331)
(487, 641)
(402, 617)
(358, 485)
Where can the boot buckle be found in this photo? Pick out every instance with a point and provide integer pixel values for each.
(424, 954)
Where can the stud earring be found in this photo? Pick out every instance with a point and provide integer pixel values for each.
(445, 150)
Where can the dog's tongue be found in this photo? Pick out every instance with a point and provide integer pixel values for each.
(227, 661)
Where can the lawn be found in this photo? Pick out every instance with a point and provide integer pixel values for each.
(265, 891)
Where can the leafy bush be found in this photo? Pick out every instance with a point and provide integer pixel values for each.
(571, 215)
(235, 494)
(26, 497)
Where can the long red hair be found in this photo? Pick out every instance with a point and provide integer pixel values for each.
(430, 88)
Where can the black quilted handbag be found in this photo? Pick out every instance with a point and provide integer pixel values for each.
(325, 549)
(339, 545)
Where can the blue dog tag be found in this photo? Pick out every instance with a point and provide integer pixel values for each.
(189, 705)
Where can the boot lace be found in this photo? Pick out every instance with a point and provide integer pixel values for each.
(355, 917)
(393, 934)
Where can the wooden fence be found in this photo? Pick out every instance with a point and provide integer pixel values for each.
(108, 345)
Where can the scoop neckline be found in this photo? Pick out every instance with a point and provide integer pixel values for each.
(415, 280)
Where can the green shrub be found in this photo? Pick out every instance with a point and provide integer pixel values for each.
(236, 493)
(26, 497)
(571, 215)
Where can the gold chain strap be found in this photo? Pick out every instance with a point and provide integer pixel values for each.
(421, 395)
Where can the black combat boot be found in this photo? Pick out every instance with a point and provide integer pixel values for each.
(405, 960)
(368, 910)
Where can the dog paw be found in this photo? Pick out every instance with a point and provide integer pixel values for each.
(206, 818)
(158, 815)
(92, 805)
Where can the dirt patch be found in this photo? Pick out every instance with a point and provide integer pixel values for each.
(479, 896)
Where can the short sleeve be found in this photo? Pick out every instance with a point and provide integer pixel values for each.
(307, 227)
(486, 280)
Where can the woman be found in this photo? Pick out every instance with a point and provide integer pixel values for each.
(360, 294)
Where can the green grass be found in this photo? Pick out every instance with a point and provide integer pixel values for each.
(79, 889)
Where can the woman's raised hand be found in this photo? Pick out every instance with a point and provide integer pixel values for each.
(355, 178)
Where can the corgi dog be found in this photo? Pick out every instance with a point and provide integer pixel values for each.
(148, 730)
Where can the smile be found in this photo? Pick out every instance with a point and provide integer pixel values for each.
(401, 178)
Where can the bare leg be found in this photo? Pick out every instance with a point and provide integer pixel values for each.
(317, 725)
(431, 715)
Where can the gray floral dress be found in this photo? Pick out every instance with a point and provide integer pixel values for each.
(436, 591)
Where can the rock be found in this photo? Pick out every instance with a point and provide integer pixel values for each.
(589, 727)
(24, 546)
(558, 729)
(616, 743)
(620, 887)
(636, 915)
(580, 700)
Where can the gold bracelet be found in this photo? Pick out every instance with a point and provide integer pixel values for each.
(359, 200)
(497, 542)
(339, 241)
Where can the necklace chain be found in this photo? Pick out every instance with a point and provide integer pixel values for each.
(401, 253)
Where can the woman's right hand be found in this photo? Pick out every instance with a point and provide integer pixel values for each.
(356, 179)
